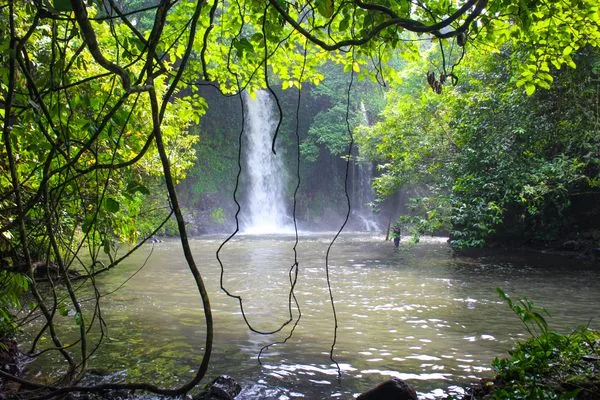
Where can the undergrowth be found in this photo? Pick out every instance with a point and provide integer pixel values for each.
(546, 366)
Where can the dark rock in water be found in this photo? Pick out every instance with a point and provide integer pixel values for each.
(591, 358)
(9, 362)
(394, 389)
(222, 388)
(570, 245)
(155, 239)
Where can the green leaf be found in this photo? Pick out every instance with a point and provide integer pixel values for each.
(543, 84)
(501, 294)
(111, 205)
(257, 37)
(106, 246)
(344, 24)
(63, 5)
(135, 187)
(556, 63)
(137, 43)
(78, 319)
(404, 9)
(325, 7)
(62, 310)
(87, 223)
(243, 46)
(529, 89)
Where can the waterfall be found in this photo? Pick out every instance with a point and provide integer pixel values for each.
(363, 110)
(362, 191)
(263, 209)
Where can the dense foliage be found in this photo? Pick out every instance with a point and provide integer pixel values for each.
(489, 153)
(548, 365)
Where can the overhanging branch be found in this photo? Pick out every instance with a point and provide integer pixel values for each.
(405, 23)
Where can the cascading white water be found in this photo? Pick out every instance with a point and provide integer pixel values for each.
(364, 196)
(263, 210)
(362, 193)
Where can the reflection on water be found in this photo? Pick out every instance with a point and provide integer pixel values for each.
(418, 313)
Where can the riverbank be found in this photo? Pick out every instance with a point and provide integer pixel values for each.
(9, 363)
(576, 236)
(584, 249)
(571, 370)
(548, 365)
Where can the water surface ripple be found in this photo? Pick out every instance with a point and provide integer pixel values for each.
(417, 313)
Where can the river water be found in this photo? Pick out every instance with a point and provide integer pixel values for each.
(417, 313)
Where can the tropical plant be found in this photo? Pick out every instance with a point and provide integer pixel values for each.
(548, 365)
(12, 287)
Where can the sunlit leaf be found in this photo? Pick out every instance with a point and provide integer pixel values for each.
(529, 89)
(62, 309)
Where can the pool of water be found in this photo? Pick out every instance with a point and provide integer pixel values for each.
(418, 313)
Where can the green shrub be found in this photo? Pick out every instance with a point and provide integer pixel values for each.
(548, 365)
(12, 287)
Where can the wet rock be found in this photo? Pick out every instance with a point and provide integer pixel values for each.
(591, 358)
(570, 245)
(103, 395)
(9, 362)
(43, 271)
(9, 353)
(155, 239)
(222, 388)
(394, 389)
(479, 390)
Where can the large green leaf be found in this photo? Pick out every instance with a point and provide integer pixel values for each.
(63, 5)
(111, 205)
(134, 187)
(243, 46)
(325, 7)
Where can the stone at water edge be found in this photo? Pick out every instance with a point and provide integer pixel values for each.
(9, 362)
(223, 387)
(9, 354)
(393, 389)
